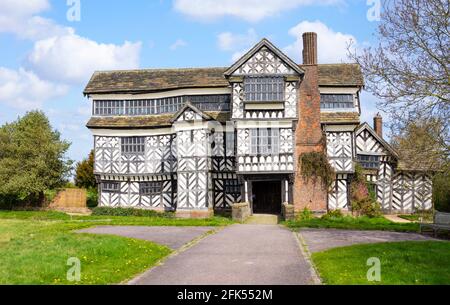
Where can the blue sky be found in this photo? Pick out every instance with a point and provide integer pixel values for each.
(47, 59)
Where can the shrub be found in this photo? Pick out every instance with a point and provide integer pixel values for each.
(333, 214)
(441, 191)
(50, 195)
(306, 214)
(107, 211)
(92, 197)
(367, 207)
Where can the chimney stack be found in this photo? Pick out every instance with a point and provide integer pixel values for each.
(309, 48)
(378, 124)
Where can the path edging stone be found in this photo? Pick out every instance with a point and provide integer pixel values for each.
(307, 255)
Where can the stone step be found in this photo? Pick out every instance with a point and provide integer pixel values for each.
(262, 219)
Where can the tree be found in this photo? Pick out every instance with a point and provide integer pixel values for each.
(84, 173)
(409, 69)
(32, 158)
(421, 145)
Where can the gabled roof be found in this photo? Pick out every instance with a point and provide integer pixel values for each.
(189, 106)
(383, 142)
(264, 43)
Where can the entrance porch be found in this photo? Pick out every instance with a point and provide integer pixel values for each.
(267, 192)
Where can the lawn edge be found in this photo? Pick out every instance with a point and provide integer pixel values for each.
(307, 255)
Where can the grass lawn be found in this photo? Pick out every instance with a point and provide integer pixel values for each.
(401, 263)
(352, 223)
(35, 246)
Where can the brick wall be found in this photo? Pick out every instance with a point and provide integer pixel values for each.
(309, 139)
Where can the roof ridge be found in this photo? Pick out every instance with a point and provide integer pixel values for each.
(160, 69)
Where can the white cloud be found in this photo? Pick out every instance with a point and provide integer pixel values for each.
(178, 44)
(239, 44)
(228, 41)
(19, 17)
(59, 54)
(332, 46)
(23, 89)
(23, 8)
(73, 59)
(250, 10)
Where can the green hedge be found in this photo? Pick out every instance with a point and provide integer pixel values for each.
(441, 192)
(106, 211)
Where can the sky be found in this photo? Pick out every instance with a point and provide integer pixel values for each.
(50, 48)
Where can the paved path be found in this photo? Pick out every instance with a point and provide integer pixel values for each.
(323, 239)
(238, 254)
(395, 218)
(172, 237)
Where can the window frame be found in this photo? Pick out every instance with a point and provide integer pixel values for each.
(150, 188)
(136, 147)
(265, 141)
(110, 186)
(138, 107)
(337, 101)
(264, 89)
(369, 161)
(231, 186)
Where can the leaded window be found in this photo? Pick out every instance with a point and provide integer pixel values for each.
(211, 102)
(150, 188)
(232, 186)
(264, 141)
(369, 161)
(133, 145)
(109, 186)
(336, 101)
(218, 102)
(264, 89)
(106, 108)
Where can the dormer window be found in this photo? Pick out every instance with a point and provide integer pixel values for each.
(264, 89)
(337, 101)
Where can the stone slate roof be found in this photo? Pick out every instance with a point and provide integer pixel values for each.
(339, 117)
(154, 80)
(340, 75)
(151, 121)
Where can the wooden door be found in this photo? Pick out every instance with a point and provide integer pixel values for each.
(266, 197)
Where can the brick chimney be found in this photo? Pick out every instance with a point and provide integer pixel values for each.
(308, 134)
(309, 48)
(378, 124)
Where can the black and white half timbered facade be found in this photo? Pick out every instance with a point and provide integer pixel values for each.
(198, 140)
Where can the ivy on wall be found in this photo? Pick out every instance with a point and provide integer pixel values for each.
(315, 165)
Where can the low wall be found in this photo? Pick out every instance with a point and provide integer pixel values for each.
(288, 211)
(196, 214)
(70, 200)
(241, 211)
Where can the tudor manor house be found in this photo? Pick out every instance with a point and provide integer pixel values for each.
(198, 140)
